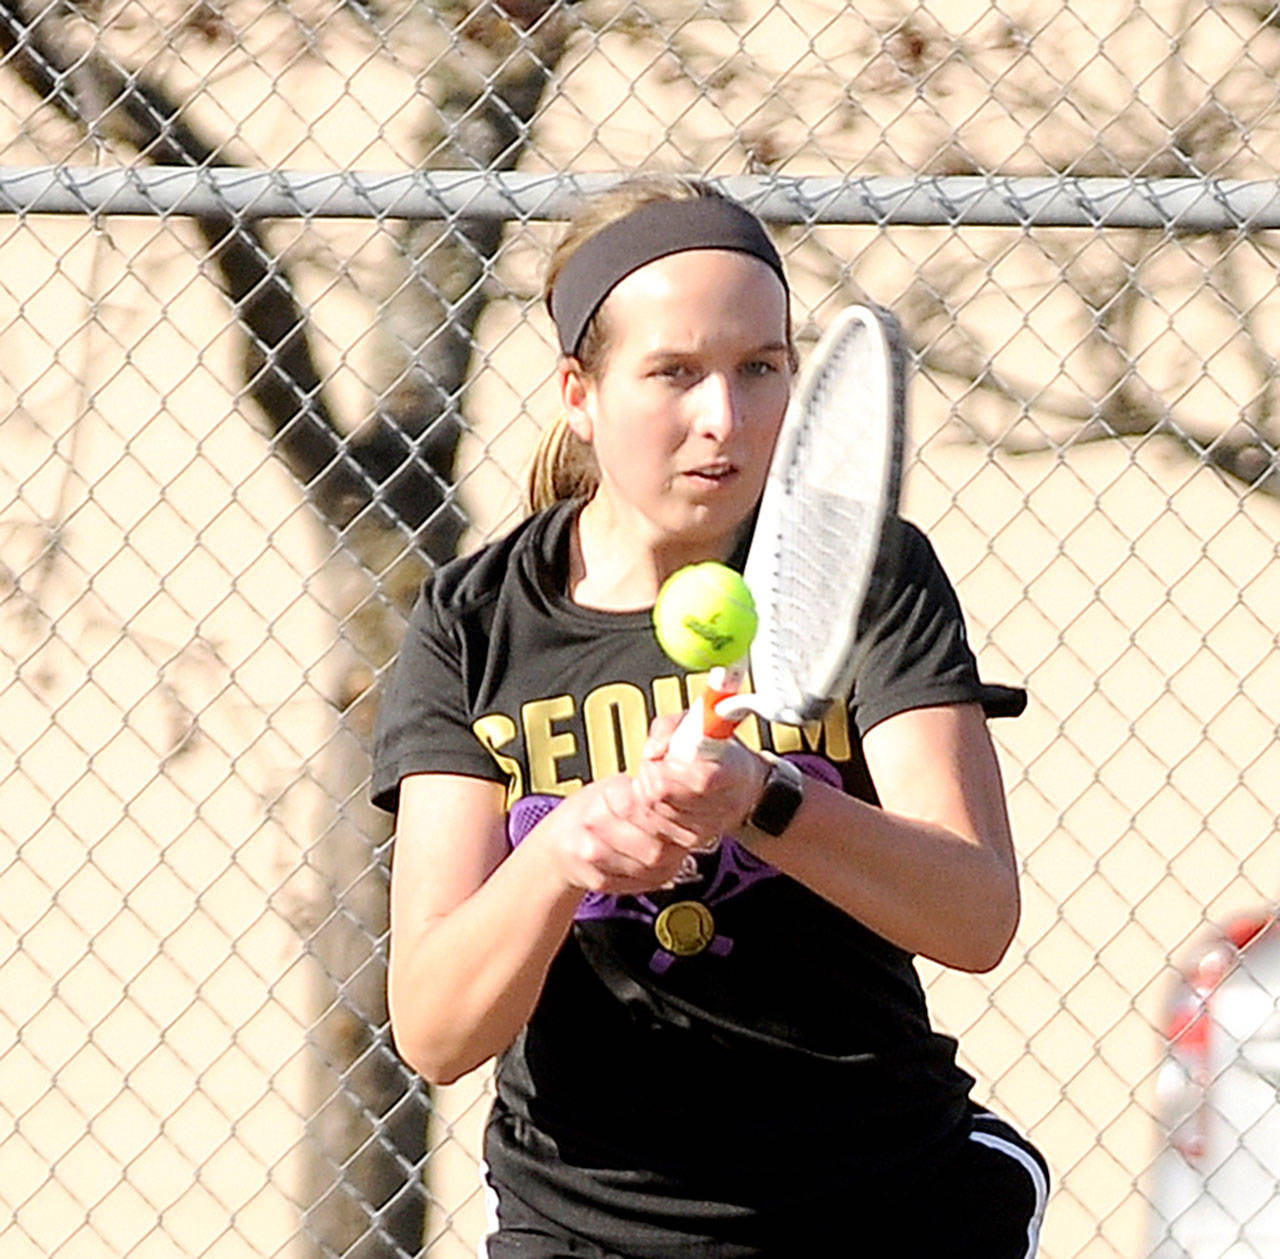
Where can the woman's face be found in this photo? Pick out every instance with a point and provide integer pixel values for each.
(685, 410)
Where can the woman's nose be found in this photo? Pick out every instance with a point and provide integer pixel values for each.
(718, 406)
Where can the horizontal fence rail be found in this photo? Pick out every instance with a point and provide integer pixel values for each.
(1182, 205)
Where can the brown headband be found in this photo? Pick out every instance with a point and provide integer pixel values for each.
(654, 231)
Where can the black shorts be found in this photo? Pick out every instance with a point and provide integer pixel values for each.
(984, 1197)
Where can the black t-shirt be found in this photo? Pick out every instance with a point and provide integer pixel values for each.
(726, 1035)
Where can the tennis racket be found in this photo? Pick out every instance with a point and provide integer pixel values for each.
(833, 483)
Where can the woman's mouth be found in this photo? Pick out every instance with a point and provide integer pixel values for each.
(712, 474)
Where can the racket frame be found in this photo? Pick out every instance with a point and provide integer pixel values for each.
(832, 676)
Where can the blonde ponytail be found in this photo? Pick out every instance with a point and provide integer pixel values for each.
(563, 467)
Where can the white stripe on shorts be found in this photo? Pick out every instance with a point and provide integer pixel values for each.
(1033, 1169)
(490, 1211)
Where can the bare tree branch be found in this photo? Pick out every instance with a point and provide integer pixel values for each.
(1240, 452)
(486, 101)
(382, 479)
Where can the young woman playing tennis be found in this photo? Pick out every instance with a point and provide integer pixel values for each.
(740, 1065)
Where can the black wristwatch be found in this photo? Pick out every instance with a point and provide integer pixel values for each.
(783, 792)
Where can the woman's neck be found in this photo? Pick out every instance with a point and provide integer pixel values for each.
(616, 566)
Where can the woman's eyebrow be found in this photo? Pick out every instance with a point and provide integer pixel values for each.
(674, 351)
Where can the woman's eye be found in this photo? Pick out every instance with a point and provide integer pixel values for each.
(675, 372)
(761, 367)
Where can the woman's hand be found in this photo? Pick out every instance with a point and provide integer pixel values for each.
(612, 837)
(630, 834)
(708, 797)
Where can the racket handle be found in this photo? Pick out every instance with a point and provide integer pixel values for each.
(702, 732)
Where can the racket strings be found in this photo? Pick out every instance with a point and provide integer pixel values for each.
(815, 601)
(837, 484)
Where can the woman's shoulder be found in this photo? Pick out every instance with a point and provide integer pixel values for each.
(907, 544)
(915, 627)
(907, 561)
(473, 581)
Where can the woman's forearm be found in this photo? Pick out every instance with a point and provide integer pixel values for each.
(475, 925)
(921, 886)
(934, 871)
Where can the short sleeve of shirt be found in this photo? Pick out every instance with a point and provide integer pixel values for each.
(913, 649)
(424, 718)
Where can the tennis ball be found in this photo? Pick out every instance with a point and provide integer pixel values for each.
(705, 616)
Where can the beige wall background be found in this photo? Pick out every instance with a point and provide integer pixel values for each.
(176, 634)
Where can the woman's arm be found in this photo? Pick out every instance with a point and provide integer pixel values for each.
(475, 925)
(933, 869)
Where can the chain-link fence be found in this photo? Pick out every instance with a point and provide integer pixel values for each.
(245, 413)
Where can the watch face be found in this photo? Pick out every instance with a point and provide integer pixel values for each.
(782, 794)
